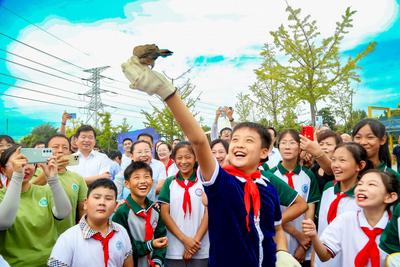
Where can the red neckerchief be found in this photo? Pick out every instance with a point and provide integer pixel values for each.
(251, 193)
(187, 203)
(332, 212)
(148, 232)
(289, 176)
(104, 242)
(370, 251)
(170, 162)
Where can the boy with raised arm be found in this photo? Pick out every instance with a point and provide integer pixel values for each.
(244, 213)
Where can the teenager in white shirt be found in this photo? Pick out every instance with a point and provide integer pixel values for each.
(126, 156)
(356, 234)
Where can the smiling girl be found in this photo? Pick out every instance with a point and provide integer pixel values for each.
(355, 234)
(371, 134)
(183, 212)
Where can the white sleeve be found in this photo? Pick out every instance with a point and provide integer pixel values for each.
(162, 174)
(214, 131)
(105, 164)
(119, 182)
(332, 236)
(128, 244)
(213, 177)
(62, 253)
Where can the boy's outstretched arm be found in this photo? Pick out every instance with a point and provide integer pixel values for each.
(152, 82)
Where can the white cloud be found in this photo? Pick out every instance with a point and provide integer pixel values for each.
(190, 29)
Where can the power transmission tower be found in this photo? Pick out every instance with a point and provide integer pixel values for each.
(95, 105)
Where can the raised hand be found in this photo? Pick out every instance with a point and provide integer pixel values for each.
(18, 161)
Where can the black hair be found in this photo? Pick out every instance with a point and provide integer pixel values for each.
(137, 165)
(265, 137)
(126, 139)
(40, 142)
(273, 129)
(56, 136)
(225, 128)
(358, 153)
(8, 138)
(187, 145)
(329, 133)
(222, 142)
(161, 143)
(292, 132)
(389, 180)
(5, 156)
(146, 134)
(115, 154)
(138, 142)
(177, 139)
(379, 131)
(102, 182)
(85, 128)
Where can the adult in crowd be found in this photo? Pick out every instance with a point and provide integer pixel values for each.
(92, 165)
(396, 154)
(28, 231)
(116, 159)
(346, 138)
(127, 156)
(141, 151)
(163, 154)
(219, 149)
(224, 133)
(175, 142)
(5, 142)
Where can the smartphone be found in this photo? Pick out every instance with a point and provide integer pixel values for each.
(37, 155)
(73, 159)
(72, 115)
(308, 131)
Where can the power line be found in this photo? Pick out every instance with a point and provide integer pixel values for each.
(40, 28)
(41, 101)
(43, 65)
(37, 91)
(44, 52)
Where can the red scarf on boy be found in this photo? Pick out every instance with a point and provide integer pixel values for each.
(251, 192)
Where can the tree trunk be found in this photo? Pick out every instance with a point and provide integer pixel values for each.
(313, 110)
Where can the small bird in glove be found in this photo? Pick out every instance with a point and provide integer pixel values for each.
(137, 70)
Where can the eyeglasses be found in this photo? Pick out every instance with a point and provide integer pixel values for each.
(145, 152)
(290, 143)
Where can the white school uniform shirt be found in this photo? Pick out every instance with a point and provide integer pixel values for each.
(172, 170)
(274, 157)
(76, 247)
(344, 236)
(125, 161)
(306, 186)
(172, 193)
(94, 164)
(345, 204)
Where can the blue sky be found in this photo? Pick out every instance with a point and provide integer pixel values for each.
(219, 39)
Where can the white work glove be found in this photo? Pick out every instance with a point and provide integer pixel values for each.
(285, 259)
(393, 260)
(147, 80)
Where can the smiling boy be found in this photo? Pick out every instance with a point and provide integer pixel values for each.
(141, 219)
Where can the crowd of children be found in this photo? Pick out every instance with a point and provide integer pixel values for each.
(253, 198)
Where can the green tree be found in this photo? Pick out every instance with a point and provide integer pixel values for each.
(162, 120)
(313, 67)
(39, 133)
(327, 117)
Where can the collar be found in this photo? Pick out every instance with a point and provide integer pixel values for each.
(382, 166)
(192, 178)
(88, 232)
(136, 207)
(362, 220)
(257, 181)
(91, 154)
(283, 171)
(350, 192)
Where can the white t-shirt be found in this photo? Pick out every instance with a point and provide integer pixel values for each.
(73, 250)
(344, 236)
(94, 164)
(125, 161)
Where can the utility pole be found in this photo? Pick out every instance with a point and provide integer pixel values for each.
(95, 105)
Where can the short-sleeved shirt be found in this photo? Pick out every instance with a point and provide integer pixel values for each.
(76, 247)
(274, 157)
(94, 164)
(32, 236)
(172, 193)
(76, 189)
(346, 204)
(306, 185)
(344, 236)
(231, 244)
(390, 239)
(286, 194)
